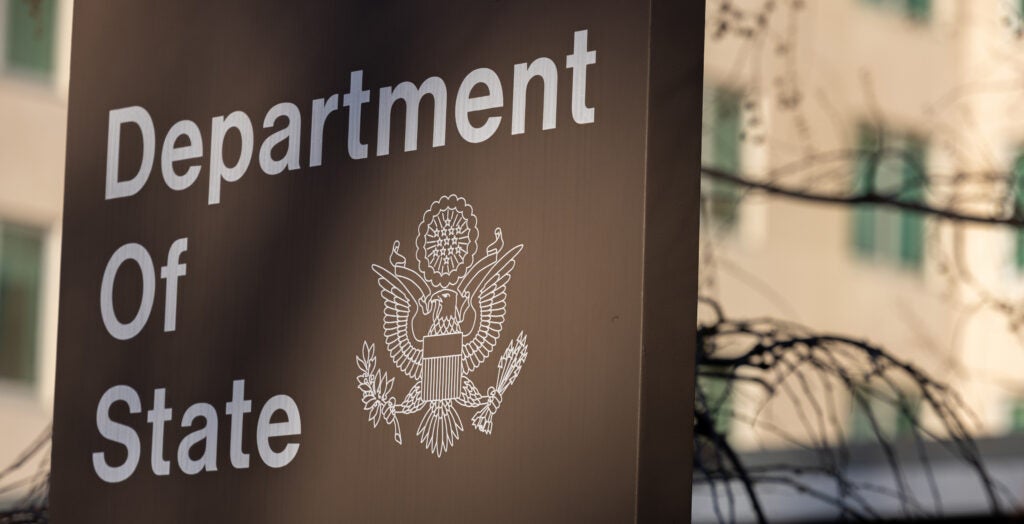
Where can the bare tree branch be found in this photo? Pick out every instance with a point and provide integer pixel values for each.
(810, 195)
(789, 363)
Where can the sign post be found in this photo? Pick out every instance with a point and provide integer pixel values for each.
(379, 261)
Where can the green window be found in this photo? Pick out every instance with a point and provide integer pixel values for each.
(911, 243)
(30, 35)
(721, 150)
(716, 391)
(892, 165)
(864, 227)
(1017, 416)
(895, 418)
(1018, 192)
(20, 262)
(917, 10)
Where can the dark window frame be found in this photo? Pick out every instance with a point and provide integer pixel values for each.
(22, 259)
(30, 39)
(879, 153)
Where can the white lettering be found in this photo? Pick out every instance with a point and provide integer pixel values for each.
(466, 104)
(578, 62)
(354, 100)
(207, 434)
(407, 92)
(115, 327)
(197, 451)
(292, 133)
(240, 122)
(192, 149)
(321, 110)
(119, 433)
(117, 118)
(158, 416)
(267, 430)
(480, 91)
(547, 71)
(236, 409)
(171, 273)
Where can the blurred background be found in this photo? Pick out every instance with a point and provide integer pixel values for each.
(862, 264)
(862, 256)
(35, 48)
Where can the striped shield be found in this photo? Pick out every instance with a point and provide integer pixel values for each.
(442, 367)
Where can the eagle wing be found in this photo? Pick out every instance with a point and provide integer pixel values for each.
(399, 308)
(489, 302)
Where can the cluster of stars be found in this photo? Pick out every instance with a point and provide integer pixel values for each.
(447, 239)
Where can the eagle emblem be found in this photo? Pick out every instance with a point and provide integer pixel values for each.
(442, 319)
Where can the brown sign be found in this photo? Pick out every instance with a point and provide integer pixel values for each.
(349, 261)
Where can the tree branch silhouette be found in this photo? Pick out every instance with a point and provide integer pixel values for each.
(783, 359)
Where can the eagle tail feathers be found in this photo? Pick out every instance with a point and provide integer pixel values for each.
(440, 427)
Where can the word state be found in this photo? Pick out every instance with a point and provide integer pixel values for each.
(160, 414)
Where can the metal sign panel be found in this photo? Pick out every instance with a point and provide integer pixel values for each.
(378, 261)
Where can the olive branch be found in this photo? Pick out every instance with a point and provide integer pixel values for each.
(376, 387)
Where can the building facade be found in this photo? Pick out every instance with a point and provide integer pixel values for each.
(35, 46)
(796, 106)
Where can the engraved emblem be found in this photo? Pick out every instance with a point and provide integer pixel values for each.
(441, 322)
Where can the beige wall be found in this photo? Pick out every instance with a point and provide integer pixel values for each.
(854, 63)
(33, 117)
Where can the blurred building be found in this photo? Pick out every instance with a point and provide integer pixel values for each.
(35, 46)
(939, 80)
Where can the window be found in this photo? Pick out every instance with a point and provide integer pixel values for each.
(1017, 416)
(717, 397)
(919, 9)
(20, 263)
(721, 150)
(1018, 199)
(916, 10)
(30, 32)
(895, 417)
(890, 165)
